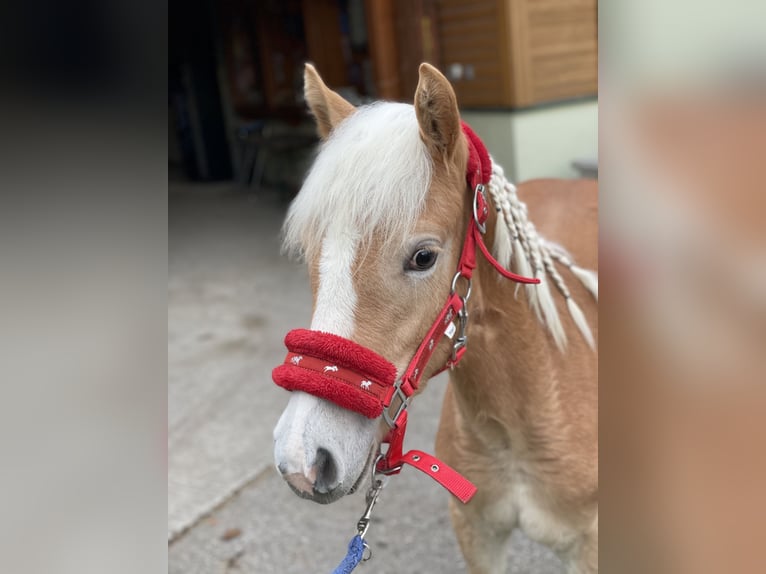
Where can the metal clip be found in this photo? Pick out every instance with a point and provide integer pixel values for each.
(363, 525)
(462, 337)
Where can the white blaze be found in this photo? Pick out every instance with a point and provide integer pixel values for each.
(336, 296)
(309, 423)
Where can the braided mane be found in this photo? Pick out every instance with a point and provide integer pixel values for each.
(520, 249)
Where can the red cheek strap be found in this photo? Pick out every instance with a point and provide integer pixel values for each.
(336, 369)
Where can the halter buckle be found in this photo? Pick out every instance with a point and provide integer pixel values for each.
(398, 392)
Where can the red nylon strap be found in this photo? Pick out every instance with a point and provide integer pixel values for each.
(414, 371)
(449, 478)
(478, 239)
(479, 167)
(467, 262)
(364, 383)
(390, 463)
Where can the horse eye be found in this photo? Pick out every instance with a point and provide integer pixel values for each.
(422, 259)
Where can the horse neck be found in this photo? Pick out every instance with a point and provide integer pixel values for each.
(510, 363)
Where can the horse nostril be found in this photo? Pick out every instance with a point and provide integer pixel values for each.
(327, 473)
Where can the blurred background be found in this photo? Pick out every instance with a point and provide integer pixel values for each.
(525, 74)
(239, 143)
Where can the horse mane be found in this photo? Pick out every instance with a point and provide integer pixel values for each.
(372, 174)
(518, 247)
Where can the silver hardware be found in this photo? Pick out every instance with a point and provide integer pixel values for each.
(389, 471)
(434, 468)
(398, 392)
(479, 190)
(363, 525)
(368, 550)
(462, 316)
(416, 457)
(462, 338)
(457, 276)
(383, 474)
(374, 470)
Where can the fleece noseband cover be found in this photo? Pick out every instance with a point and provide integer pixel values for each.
(336, 369)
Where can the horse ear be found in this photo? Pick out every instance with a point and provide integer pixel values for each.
(437, 112)
(328, 107)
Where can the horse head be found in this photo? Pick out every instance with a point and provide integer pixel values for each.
(380, 222)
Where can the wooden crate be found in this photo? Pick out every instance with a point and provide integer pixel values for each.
(518, 53)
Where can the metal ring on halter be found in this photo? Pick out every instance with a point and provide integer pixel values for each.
(383, 473)
(378, 458)
(389, 471)
(479, 189)
(457, 276)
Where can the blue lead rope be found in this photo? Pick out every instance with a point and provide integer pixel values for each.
(353, 557)
(356, 547)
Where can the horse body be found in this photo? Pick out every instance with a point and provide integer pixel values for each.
(520, 415)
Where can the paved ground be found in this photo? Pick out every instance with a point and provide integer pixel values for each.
(231, 298)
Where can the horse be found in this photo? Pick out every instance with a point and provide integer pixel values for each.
(380, 221)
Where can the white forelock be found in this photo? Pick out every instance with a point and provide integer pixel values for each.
(371, 175)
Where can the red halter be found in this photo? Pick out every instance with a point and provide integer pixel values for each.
(356, 378)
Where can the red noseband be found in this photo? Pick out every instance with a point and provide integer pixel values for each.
(336, 369)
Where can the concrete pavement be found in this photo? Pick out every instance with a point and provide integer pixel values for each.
(231, 299)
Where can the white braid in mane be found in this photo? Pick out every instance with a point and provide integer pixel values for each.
(520, 248)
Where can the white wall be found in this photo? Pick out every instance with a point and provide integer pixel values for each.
(540, 142)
